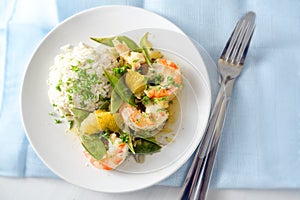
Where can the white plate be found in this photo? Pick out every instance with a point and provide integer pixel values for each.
(62, 152)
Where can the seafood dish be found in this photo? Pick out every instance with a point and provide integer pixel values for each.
(116, 97)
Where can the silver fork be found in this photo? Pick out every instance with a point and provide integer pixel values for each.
(230, 66)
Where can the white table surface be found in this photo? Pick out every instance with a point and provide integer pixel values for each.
(49, 189)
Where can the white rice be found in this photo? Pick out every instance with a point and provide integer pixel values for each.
(77, 80)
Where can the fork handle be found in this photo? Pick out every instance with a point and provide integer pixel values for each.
(197, 180)
(207, 162)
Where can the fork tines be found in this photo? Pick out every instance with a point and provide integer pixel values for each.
(236, 48)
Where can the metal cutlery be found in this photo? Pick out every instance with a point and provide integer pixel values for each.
(230, 66)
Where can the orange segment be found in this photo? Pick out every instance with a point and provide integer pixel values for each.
(106, 121)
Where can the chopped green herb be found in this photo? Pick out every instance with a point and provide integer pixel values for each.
(51, 113)
(69, 81)
(119, 71)
(69, 90)
(155, 79)
(124, 137)
(106, 134)
(90, 61)
(58, 88)
(58, 85)
(160, 99)
(70, 99)
(158, 79)
(75, 68)
(71, 124)
(146, 100)
(170, 81)
(57, 121)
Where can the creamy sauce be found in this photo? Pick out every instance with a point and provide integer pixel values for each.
(167, 134)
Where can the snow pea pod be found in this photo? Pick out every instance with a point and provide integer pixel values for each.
(144, 146)
(123, 39)
(145, 45)
(79, 116)
(130, 43)
(94, 145)
(116, 102)
(104, 41)
(120, 87)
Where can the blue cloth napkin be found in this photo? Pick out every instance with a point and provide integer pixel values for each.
(260, 147)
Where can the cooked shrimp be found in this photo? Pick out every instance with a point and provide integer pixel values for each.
(135, 59)
(120, 46)
(115, 155)
(152, 120)
(170, 81)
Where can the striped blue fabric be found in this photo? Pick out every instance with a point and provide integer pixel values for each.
(260, 147)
